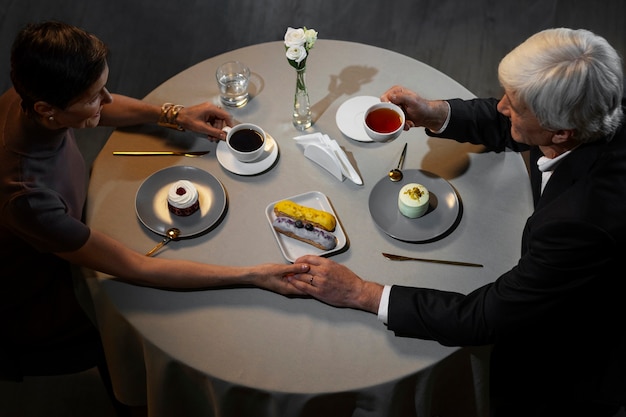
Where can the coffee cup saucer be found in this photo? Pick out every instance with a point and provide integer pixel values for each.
(349, 117)
(228, 161)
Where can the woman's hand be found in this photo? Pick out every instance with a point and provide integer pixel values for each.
(205, 118)
(275, 277)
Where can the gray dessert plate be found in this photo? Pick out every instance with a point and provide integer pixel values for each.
(440, 218)
(151, 201)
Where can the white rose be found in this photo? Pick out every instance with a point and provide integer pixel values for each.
(294, 37)
(310, 37)
(296, 53)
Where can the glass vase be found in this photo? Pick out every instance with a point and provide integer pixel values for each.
(302, 119)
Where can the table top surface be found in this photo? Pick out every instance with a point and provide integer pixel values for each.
(264, 340)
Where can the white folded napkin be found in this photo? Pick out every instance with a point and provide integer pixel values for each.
(324, 158)
(326, 152)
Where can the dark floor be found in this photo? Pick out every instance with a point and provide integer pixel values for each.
(152, 40)
(78, 395)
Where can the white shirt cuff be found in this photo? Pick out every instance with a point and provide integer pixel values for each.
(383, 307)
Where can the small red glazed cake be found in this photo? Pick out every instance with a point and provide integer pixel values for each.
(182, 198)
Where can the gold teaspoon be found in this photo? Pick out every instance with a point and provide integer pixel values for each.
(171, 234)
(395, 174)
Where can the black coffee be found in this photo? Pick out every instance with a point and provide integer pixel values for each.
(246, 140)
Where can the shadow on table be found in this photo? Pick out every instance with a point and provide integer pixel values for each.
(347, 82)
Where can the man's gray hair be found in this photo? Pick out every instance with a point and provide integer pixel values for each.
(570, 79)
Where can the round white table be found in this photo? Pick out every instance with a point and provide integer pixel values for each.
(245, 351)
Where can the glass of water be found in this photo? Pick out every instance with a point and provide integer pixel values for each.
(233, 78)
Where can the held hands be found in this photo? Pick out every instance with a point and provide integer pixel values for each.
(335, 284)
(418, 111)
(206, 118)
(274, 277)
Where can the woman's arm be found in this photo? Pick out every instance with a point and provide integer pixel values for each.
(128, 111)
(105, 254)
(204, 118)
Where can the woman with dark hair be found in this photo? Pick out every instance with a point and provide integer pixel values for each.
(59, 73)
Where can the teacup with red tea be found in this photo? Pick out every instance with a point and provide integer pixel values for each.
(383, 121)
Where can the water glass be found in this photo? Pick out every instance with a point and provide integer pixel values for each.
(233, 78)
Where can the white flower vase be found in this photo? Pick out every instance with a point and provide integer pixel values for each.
(302, 119)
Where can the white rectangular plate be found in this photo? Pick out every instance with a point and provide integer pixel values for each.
(292, 248)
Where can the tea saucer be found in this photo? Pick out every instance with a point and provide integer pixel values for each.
(232, 164)
(349, 117)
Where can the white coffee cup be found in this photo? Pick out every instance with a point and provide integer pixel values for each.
(383, 121)
(246, 141)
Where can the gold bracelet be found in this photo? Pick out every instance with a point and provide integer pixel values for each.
(169, 114)
(165, 108)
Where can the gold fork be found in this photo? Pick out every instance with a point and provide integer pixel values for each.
(437, 261)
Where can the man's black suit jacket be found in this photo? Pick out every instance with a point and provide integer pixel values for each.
(557, 319)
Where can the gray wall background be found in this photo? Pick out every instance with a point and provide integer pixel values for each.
(152, 40)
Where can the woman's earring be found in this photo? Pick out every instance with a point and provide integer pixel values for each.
(51, 118)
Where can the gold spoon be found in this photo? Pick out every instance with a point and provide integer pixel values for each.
(171, 234)
(395, 174)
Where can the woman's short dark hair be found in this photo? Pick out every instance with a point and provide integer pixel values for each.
(55, 62)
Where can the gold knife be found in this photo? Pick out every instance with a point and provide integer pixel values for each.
(437, 261)
(147, 153)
